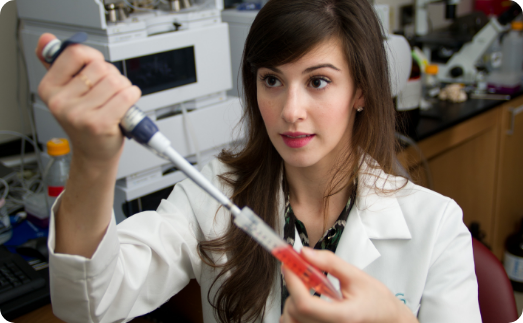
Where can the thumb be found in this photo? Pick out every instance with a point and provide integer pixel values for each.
(42, 42)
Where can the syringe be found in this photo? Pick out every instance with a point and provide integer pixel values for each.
(136, 125)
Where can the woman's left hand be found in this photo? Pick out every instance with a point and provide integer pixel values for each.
(365, 299)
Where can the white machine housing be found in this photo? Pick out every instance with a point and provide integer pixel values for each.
(211, 59)
(192, 109)
(91, 14)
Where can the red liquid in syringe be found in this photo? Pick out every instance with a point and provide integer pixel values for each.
(311, 276)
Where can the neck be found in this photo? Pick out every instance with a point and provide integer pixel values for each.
(308, 186)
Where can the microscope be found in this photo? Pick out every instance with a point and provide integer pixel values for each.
(461, 66)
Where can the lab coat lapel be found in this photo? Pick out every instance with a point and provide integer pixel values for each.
(376, 215)
(355, 246)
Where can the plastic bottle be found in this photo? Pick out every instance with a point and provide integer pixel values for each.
(430, 87)
(493, 56)
(513, 260)
(512, 48)
(508, 79)
(5, 225)
(57, 170)
(408, 103)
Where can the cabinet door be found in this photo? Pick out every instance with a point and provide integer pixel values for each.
(509, 189)
(463, 163)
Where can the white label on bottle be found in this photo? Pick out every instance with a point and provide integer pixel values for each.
(514, 267)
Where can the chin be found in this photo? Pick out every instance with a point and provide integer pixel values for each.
(299, 160)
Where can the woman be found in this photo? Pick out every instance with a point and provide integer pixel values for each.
(315, 167)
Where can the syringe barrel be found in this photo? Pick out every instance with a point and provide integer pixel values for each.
(262, 233)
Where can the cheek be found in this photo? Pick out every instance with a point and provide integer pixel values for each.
(268, 110)
(336, 112)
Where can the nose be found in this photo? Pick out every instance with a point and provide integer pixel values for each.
(294, 106)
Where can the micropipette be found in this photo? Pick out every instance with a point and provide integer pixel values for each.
(136, 125)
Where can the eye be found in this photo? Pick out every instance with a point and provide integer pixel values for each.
(319, 82)
(271, 81)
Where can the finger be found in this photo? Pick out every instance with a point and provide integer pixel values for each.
(105, 89)
(326, 260)
(114, 110)
(104, 121)
(93, 77)
(303, 306)
(42, 42)
(70, 62)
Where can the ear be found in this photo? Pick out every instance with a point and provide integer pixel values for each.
(359, 100)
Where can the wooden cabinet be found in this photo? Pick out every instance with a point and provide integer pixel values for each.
(508, 209)
(479, 164)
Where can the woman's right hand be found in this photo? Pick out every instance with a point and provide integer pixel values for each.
(88, 97)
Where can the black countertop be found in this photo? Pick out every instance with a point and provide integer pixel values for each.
(444, 115)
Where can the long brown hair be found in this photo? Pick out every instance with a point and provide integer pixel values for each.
(284, 31)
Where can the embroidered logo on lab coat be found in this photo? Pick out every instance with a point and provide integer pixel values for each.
(401, 297)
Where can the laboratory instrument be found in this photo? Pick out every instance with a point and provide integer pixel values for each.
(461, 68)
(179, 59)
(136, 125)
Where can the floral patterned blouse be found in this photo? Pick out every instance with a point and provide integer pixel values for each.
(329, 240)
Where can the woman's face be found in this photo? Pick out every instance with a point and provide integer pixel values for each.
(308, 106)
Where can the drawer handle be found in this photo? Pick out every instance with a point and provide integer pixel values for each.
(513, 113)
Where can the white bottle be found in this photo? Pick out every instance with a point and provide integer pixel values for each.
(512, 48)
(508, 78)
(494, 56)
(57, 170)
(5, 224)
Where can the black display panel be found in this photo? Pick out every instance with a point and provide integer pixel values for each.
(161, 71)
(119, 66)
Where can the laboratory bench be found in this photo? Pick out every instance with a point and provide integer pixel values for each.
(474, 152)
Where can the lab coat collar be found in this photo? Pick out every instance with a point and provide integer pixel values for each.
(376, 215)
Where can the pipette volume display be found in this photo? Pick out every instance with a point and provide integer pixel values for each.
(136, 125)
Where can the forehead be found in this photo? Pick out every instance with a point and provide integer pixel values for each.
(329, 51)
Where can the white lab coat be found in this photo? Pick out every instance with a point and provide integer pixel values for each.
(413, 240)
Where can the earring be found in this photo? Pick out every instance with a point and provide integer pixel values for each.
(359, 109)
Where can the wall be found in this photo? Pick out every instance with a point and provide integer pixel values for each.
(12, 117)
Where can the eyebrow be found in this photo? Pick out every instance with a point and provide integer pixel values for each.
(308, 70)
(312, 68)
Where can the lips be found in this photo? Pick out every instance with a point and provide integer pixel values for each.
(296, 139)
